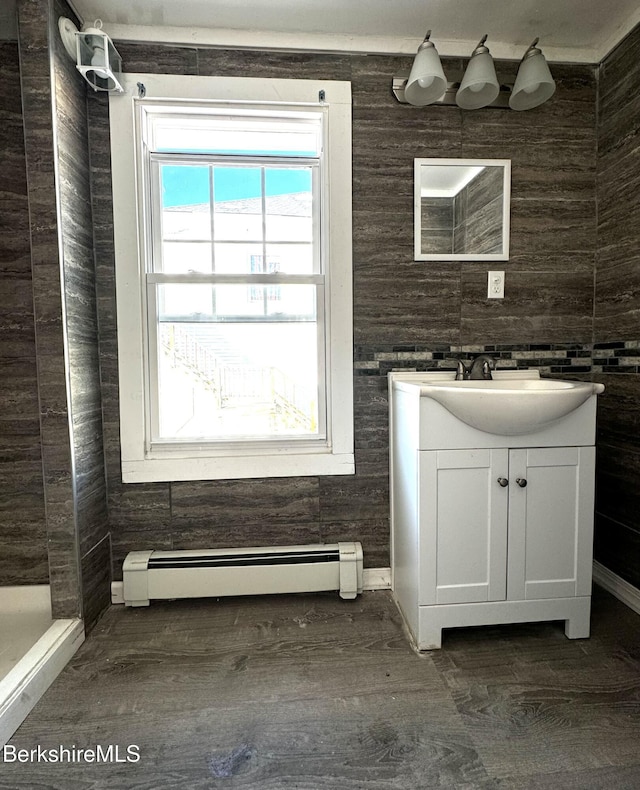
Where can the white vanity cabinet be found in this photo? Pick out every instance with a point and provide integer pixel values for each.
(487, 528)
(505, 524)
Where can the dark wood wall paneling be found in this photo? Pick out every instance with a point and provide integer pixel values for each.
(85, 402)
(23, 543)
(33, 16)
(66, 332)
(617, 310)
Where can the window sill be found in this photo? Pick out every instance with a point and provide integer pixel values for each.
(152, 470)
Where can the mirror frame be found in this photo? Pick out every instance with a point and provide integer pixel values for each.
(506, 210)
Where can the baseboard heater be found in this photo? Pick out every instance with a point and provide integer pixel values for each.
(206, 573)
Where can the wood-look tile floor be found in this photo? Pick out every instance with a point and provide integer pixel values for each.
(315, 693)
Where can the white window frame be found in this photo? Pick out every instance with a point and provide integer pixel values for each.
(142, 462)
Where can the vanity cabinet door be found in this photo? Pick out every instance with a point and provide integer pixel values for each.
(550, 522)
(463, 525)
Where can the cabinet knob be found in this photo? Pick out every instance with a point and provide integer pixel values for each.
(521, 481)
(503, 481)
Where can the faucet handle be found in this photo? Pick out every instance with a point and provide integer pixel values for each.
(462, 371)
(488, 365)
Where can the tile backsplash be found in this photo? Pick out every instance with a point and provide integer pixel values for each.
(551, 358)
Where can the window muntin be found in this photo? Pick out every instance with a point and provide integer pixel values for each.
(235, 241)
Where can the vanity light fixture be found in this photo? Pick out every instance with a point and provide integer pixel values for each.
(480, 87)
(94, 53)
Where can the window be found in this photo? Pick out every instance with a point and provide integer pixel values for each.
(233, 270)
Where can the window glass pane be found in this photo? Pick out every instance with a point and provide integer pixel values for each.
(186, 302)
(238, 203)
(290, 258)
(229, 381)
(205, 302)
(288, 204)
(238, 258)
(240, 134)
(183, 257)
(185, 202)
(290, 300)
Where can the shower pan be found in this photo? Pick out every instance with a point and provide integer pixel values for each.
(34, 648)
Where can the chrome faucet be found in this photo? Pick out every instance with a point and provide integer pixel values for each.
(481, 367)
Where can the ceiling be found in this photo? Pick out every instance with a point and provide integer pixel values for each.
(581, 31)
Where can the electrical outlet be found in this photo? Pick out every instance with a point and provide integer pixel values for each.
(495, 285)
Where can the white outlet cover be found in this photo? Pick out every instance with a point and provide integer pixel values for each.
(495, 285)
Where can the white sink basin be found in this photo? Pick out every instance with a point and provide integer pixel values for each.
(510, 406)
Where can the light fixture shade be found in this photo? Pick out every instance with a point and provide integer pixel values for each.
(534, 83)
(426, 82)
(479, 85)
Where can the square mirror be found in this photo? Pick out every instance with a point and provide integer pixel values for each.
(461, 209)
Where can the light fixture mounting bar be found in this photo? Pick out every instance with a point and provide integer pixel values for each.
(449, 97)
